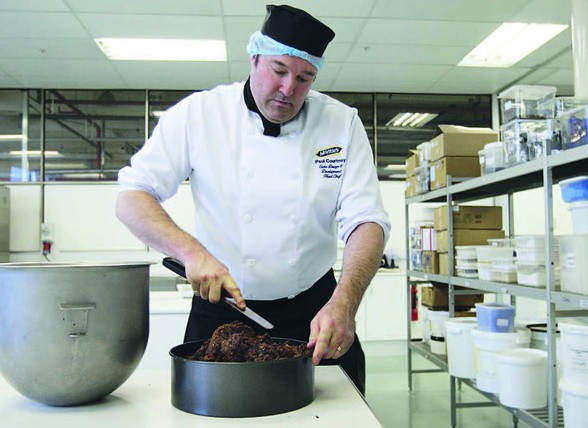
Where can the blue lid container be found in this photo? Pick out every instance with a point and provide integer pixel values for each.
(574, 189)
(495, 317)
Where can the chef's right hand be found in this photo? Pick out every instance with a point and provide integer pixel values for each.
(209, 277)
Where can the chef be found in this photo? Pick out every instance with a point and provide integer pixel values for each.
(278, 173)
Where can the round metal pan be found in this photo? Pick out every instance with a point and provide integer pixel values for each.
(238, 390)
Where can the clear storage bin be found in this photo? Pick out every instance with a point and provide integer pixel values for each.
(485, 271)
(422, 179)
(491, 158)
(467, 272)
(524, 140)
(487, 253)
(466, 252)
(573, 125)
(501, 242)
(527, 102)
(529, 273)
(534, 255)
(504, 274)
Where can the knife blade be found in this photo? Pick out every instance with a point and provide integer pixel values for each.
(177, 267)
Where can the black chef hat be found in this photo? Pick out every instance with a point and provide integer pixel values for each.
(297, 29)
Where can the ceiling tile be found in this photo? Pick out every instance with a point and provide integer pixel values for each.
(545, 11)
(425, 74)
(179, 7)
(346, 29)
(407, 54)
(320, 10)
(41, 6)
(50, 73)
(495, 79)
(449, 10)
(240, 28)
(156, 26)
(43, 48)
(559, 45)
(173, 75)
(39, 24)
(435, 33)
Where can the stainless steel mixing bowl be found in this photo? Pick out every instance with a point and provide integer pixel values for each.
(71, 333)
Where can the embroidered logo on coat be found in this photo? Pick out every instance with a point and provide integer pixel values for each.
(328, 167)
(329, 151)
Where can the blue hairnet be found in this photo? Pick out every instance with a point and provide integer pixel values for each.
(260, 44)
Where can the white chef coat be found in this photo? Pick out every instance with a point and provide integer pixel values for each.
(267, 207)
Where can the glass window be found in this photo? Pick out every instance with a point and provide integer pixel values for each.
(397, 133)
(364, 103)
(20, 141)
(91, 134)
(160, 101)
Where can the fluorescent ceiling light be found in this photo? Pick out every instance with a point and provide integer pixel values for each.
(509, 43)
(35, 153)
(163, 49)
(410, 120)
(11, 137)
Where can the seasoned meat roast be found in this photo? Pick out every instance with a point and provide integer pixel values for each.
(236, 342)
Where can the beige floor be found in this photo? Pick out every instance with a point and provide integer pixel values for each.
(428, 405)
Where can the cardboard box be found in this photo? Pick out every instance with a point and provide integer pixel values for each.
(430, 262)
(437, 297)
(444, 263)
(453, 140)
(456, 166)
(411, 187)
(469, 217)
(466, 237)
(412, 162)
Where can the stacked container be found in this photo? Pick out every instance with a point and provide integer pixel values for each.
(494, 334)
(574, 192)
(574, 380)
(530, 260)
(527, 125)
(466, 261)
(502, 261)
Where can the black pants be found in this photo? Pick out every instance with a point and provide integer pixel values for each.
(291, 319)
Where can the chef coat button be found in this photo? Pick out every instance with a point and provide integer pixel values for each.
(292, 262)
(251, 262)
(248, 218)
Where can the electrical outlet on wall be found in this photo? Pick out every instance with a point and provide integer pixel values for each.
(47, 232)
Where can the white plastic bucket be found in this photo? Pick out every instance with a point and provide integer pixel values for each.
(425, 325)
(579, 212)
(574, 400)
(574, 345)
(437, 331)
(522, 378)
(486, 346)
(460, 347)
(437, 322)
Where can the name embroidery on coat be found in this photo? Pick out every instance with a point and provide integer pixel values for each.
(329, 167)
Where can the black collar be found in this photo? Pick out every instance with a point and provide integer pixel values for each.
(269, 128)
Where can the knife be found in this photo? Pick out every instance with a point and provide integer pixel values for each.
(177, 267)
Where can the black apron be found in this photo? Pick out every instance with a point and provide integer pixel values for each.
(291, 319)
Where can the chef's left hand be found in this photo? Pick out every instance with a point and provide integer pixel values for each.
(332, 332)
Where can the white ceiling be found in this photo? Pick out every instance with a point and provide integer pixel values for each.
(380, 45)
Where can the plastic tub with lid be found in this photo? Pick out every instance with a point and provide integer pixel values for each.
(529, 273)
(574, 189)
(485, 271)
(460, 347)
(492, 158)
(495, 317)
(504, 274)
(527, 102)
(501, 242)
(467, 252)
(524, 140)
(573, 125)
(532, 255)
(487, 253)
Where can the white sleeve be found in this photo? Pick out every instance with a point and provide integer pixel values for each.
(163, 162)
(360, 200)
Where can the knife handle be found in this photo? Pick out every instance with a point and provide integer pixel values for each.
(178, 267)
